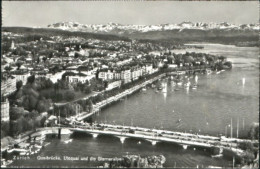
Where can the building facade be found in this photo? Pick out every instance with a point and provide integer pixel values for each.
(5, 108)
(82, 79)
(8, 86)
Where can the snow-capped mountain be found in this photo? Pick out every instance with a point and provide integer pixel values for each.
(118, 28)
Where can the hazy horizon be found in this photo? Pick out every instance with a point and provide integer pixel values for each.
(41, 14)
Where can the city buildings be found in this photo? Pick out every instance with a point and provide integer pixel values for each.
(5, 109)
(79, 78)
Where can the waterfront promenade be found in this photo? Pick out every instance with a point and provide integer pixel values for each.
(99, 105)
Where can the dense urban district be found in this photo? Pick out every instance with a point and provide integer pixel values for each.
(44, 75)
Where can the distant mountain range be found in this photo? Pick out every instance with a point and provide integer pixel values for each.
(114, 28)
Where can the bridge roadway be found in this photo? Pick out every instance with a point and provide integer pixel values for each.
(152, 135)
(155, 135)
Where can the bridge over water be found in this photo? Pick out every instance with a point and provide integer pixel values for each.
(156, 135)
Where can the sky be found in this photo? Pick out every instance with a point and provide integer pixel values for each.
(41, 14)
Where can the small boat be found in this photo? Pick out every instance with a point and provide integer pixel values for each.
(46, 144)
(179, 120)
(139, 142)
(68, 141)
(194, 87)
(179, 83)
(217, 156)
(218, 72)
(209, 72)
(144, 89)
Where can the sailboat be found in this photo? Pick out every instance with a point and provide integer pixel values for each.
(164, 88)
(194, 87)
(196, 79)
(187, 85)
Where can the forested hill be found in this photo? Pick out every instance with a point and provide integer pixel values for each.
(234, 37)
(223, 36)
(47, 32)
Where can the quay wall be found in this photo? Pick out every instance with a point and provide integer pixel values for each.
(106, 102)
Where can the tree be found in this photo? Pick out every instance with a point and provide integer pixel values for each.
(44, 59)
(16, 112)
(69, 95)
(87, 89)
(19, 84)
(254, 132)
(8, 68)
(248, 157)
(5, 127)
(31, 79)
(18, 64)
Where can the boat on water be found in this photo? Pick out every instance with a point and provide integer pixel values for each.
(164, 90)
(139, 142)
(143, 89)
(218, 72)
(194, 87)
(68, 141)
(187, 85)
(213, 166)
(217, 156)
(46, 144)
(208, 71)
(159, 85)
(179, 83)
(179, 120)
